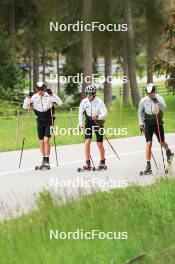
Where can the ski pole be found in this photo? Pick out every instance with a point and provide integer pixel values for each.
(158, 128)
(22, 148)
(23, 142)
(154, 160)
(142, 131)
(56, 155)
(108, 141)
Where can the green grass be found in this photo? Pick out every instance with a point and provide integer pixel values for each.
(117, 118)
(147, 214)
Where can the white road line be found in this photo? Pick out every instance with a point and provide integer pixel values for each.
(78, 161)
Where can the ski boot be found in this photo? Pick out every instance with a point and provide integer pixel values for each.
(45, 164)
(86, 167)
(148, 170)
(102, 165)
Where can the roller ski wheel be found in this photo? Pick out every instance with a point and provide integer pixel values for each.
(86, 169)
(42, 167)
(143, 173)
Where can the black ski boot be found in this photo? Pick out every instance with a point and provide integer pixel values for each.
(148, 170)
(87, 166)
(44, 165)
(169, 155)
(102, 165)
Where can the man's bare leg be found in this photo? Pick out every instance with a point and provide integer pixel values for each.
(101, 149)
(148, 156)
(148, 150)
(87, 148)
(47, 150)
(42, 149)
(47, 146)
(102, 155)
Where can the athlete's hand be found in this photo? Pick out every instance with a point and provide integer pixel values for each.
(30, 101)
(81, 128)
(142, 128)
(30, 94)
(94, 118)
(155, 100)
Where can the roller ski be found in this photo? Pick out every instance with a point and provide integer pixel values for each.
(86, 167)
(44, 166)
(102, 166)
(148, 170)
(170, 157)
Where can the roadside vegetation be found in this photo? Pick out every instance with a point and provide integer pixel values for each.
(147, 214)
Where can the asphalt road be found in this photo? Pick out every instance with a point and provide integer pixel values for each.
(19, 187)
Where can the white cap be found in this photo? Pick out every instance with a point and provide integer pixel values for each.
(40, 84)
(150, 88)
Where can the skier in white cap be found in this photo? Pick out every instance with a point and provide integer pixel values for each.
(150, 114)
(42, 105)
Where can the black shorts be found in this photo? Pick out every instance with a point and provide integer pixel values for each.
(151, 129)
(91, 127)
(43, 128)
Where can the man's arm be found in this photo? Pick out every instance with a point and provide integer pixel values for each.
(141, 113)
(56, 101)
(27, 102)
(80, 117)
(103, 111)
(161, 103)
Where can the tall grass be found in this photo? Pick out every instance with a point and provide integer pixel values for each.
(147, 214)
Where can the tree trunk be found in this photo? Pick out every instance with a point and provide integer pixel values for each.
(58, 73)
(30, 68)
(44, 63)
(35, 65)
(150, 47)
(12, 23)
(108, 72)
(131, 53)
(125, 98)
(87, 47)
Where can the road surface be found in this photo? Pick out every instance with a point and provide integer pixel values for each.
(19, 187)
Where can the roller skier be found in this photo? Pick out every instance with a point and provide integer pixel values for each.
(150, 114)
(42, 104)
(95, 112)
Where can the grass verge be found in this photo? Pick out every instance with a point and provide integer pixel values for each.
(147, 214)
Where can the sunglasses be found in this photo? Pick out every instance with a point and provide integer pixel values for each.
(90, 94)
(40, 89)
